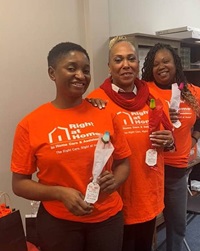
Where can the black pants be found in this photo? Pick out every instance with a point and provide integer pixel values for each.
(175, 207)
(62, 235)
(138, 237)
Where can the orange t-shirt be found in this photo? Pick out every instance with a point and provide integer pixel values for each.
(182, 135)
(59, 145)
(143, 191)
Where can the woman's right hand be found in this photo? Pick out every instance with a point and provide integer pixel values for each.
(74, 201)
(97, 102)
(162, 138)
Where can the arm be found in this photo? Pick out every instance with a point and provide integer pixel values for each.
(110, 181)
(196, 132)
(25, 187)
(195, 137)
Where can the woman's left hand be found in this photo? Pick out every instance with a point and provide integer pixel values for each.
(162, 139)
(107, 182)
(97, 102)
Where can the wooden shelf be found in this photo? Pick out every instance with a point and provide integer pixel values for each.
(192, 69)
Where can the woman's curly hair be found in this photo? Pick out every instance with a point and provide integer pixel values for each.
(147, 74)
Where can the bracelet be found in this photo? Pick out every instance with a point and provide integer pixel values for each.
(169, 147)
(194, 138)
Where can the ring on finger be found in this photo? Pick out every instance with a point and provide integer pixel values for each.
(165, 142)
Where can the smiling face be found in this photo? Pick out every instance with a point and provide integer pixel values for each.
(72, 77)
(123, 65)
(164, 69)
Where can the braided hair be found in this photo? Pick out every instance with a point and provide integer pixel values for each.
(180, 79)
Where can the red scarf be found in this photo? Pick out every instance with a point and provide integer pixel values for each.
(134, 104)
(138, 102)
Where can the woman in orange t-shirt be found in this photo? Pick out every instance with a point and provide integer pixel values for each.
(163, 70)
(58, 141)
(129, 98)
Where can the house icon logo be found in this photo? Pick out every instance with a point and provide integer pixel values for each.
(59, 134)
(126, 118)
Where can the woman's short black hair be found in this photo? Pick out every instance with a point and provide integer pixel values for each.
(62, 49)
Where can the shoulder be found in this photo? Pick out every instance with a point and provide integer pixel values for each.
(194, 89)
(151, 85)
(103, 113)
(97, 93)
(153, 89)
(37, 113)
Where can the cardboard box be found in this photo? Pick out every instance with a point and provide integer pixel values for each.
(184, 35)
(175, 30)
(185, 32)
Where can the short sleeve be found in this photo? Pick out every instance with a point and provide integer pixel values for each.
(23, 160)
(119, 141)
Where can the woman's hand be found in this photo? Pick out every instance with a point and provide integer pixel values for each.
(110, 181)
(174, 115)
(162, 139)
(74, 201)
(107, 182)
(97, 102)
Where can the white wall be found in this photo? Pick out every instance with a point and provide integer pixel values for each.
(97, 32)
(148, 16)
